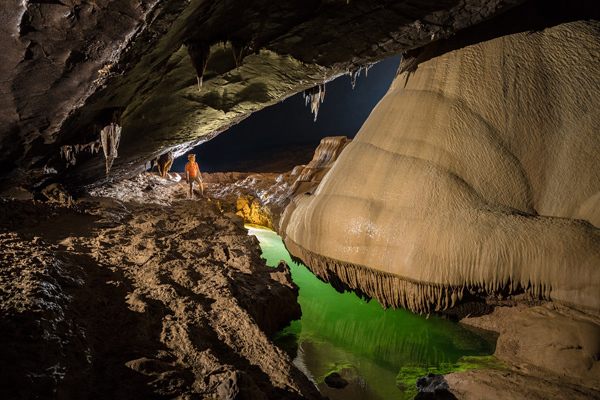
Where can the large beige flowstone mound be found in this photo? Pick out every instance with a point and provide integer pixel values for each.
(481, 169)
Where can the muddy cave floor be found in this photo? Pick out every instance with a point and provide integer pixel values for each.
(138, 292)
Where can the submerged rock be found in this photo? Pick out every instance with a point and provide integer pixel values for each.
(335, 380)
(433, 387)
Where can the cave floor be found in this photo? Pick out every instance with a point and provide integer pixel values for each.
(137, 292)
(140, 295)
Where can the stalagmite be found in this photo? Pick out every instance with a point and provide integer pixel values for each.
(477, 172)
(165, 161)
(110, 137)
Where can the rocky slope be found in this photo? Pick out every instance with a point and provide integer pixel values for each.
(155, 299)
(551, 351)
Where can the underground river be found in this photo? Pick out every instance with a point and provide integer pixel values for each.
(380, 352)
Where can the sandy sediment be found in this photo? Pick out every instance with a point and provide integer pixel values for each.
(119, 299)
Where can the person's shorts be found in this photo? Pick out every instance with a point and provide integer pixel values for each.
(195, 179)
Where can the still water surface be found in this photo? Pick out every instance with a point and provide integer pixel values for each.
(380, 352)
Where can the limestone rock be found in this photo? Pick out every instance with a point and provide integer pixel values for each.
(68, 66)
(325, 156)
(335, 380)
(475, 171)
(122, 299)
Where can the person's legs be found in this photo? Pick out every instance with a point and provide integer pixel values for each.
(191, 189)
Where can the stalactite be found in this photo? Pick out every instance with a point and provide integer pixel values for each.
(354, 73)
(110, 137)
(393, 291)
(68, 154)
(237, 48)
(314, 96)
(199, 54)
(165, 161)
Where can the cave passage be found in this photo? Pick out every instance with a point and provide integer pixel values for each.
(379, 352)
(287, 130)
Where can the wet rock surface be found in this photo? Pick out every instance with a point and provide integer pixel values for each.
(335, 380)
(433, 387)
(115, 299)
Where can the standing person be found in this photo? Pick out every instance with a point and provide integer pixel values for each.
(192, 174)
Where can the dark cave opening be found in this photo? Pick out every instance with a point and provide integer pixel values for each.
(282, 136)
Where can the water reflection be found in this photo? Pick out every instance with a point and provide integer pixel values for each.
(371, 347)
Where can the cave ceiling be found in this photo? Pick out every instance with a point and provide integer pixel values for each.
(71, 67)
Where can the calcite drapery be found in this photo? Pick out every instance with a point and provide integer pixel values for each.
(475, 171)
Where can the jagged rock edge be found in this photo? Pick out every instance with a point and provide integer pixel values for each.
(395, 291)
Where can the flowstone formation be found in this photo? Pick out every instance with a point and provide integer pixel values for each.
(474, 175)
(261, 198)
(325, 157)
(69, 65)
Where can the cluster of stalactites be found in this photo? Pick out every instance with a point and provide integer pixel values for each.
(393, 291)
(68, 152)
(355, 73)
(315, 97)
(110, 136)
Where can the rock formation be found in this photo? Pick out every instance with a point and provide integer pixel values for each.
(472, 179)
(473, 174)
(325, 156)
(164, 163)
(69, 65)
(476, 175)
(140, 297)
(261, 198)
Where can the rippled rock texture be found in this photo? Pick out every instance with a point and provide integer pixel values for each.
(475, 173)
(119, 299)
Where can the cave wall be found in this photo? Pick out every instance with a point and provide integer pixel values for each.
(70, 65)
(476, 172)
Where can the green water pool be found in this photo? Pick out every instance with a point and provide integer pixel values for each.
(380, 352)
